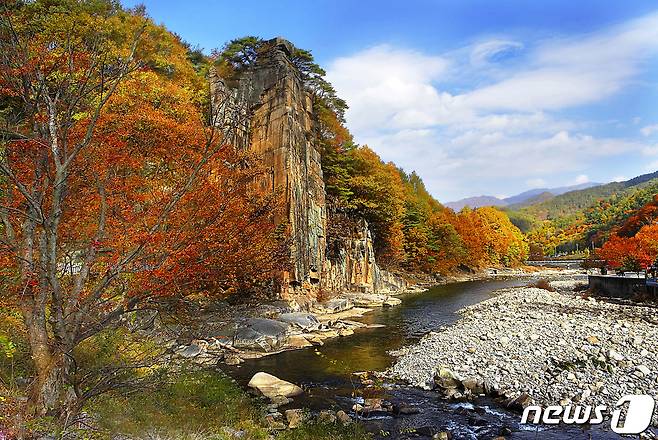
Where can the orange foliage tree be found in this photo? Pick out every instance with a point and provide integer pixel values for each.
(490, 238)
(641, 217)
(115, 189)
(631, 253)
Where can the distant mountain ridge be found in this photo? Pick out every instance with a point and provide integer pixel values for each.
(525, 198)
(572, 202)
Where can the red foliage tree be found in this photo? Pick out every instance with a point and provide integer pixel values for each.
(113, 190)
(632, 253)
(643, 216)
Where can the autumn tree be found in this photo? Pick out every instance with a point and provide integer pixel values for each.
(639, 218)
(490, 238)
(365, 187)
(505, 244)
(631, 253)
(115, 188)
(446, 249)
(470, 228)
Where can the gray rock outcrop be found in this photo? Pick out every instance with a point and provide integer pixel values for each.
(261, 334)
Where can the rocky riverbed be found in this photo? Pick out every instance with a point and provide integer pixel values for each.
(230, 334)
(535, 346)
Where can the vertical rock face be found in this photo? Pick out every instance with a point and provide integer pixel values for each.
(352, 267)
(270, 113)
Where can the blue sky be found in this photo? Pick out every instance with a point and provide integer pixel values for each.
(479, 97)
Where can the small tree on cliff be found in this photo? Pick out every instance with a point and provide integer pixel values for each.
(237, 55)
(113, 190)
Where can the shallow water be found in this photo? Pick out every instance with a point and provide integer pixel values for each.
(326, 372)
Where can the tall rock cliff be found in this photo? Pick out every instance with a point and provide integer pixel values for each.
(270, 113)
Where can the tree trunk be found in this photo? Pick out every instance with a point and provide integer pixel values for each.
(47, 388)
(49, 392)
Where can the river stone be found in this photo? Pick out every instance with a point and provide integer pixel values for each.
(295, 417)
(520, 402)
(232, 359)
(271, 386)
(305, 321)
(444, 378)
(643, 369)
(373, 404)
(298, 341)
(367, 299)
(593, 340)
(343, 417)
(190, 351)
(474, 385)
(615, 356)
(273, 423)
(392, 301)
(261, 334)
(327, 416)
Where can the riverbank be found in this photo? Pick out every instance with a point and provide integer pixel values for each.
(535, 346)
(220, 332)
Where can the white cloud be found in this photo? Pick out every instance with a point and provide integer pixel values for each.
(582, 178)
(498, 122)
(650, 150)
(567, 73)
(649, 129)
(485, 52)
(389, 88)
(651, 167)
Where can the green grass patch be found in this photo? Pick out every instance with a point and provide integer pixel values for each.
(201, 402)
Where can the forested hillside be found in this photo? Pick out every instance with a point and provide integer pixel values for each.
(574, 202)
(584, 219)
(632, 244)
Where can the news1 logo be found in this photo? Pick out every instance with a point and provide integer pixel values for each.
(639, 412)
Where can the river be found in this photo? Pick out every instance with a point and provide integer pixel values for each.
(326, 372)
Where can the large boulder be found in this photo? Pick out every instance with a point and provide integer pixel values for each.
(271, 386)
(367, 299)
(298, 341)
(305, 321)
(261, 334)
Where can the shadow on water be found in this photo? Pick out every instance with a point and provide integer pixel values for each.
(326, 372)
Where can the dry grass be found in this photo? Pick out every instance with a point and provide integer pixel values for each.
(542, 284)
